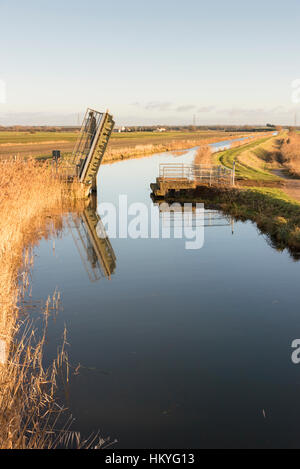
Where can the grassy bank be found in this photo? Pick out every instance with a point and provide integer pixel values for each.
(272, 209)
(248, 165)
(258, 196)
(32, 200)
(275, 214)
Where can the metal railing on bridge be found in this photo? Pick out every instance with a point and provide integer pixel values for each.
(197, 173)
(89, 150)
(91, 144)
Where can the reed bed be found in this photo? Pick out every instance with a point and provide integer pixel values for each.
(203, 156)
(33, 198)
(290, 153)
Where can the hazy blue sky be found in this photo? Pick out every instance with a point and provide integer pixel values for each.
(149, 62)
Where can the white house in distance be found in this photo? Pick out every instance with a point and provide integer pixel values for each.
(120, 129)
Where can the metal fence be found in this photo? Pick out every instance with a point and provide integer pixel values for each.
(197, 173)
(91, 123)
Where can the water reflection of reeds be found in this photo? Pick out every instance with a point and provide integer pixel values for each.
(32, 201)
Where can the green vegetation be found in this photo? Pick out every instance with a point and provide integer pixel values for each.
(272, 209)
(168, 135)
(13, 137)
(36, 137)
(244, 170)
(274, 212)
(39, 144)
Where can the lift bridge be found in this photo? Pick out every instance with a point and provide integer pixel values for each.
(90, 147)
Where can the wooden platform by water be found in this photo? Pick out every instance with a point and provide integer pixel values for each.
(181, 178)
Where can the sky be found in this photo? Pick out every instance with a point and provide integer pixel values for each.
(158, 62)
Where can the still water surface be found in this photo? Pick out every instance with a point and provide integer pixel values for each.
(178, 348)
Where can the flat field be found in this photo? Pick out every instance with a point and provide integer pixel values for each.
(41, 144)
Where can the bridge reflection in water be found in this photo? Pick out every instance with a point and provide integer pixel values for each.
(92, 243)
(94, 248)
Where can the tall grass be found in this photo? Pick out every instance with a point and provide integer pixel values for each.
(32, 199)
(290, 153)
(203, 156)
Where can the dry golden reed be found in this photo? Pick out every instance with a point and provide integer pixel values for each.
(290, 153)
(203, 156)
(33, 197)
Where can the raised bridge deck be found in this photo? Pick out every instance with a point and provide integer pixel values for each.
(90, 148)
(183, 177)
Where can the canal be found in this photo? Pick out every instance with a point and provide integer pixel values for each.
(177, 348)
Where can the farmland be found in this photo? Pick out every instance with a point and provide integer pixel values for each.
(41, 144)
